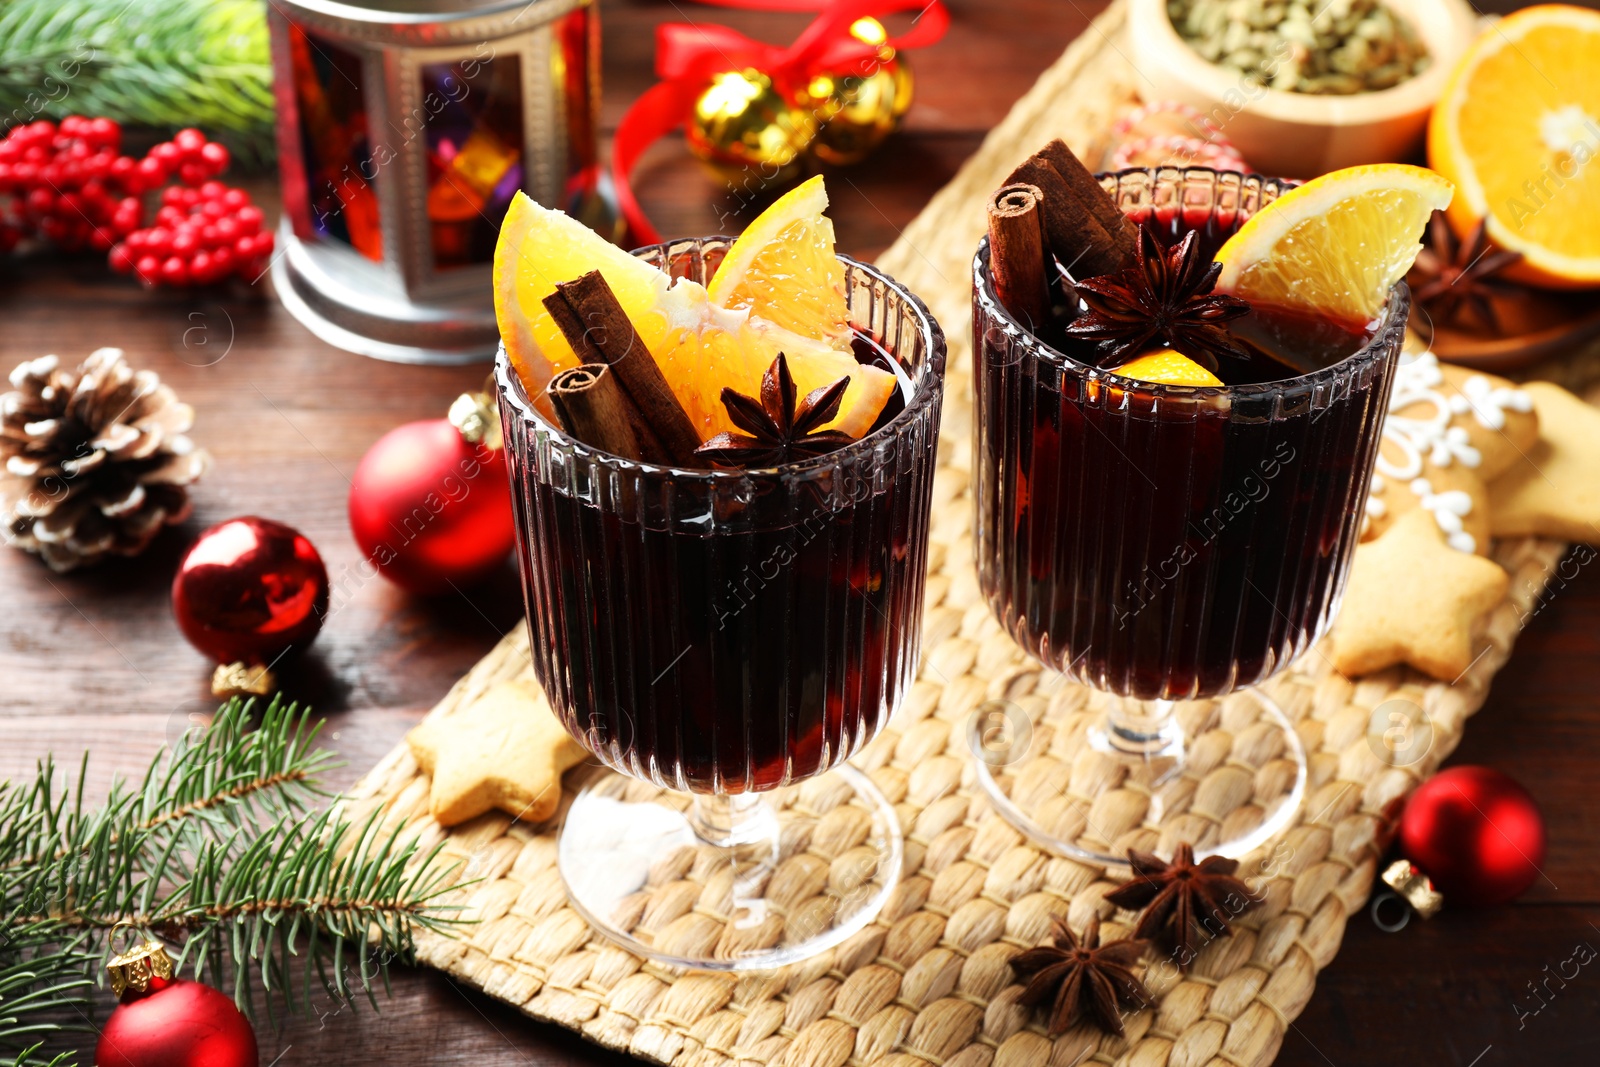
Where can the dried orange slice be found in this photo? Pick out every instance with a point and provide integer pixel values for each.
(1518, 130)
(1167, 367)
(1336, 245)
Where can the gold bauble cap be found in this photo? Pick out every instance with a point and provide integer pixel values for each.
(137, 966)
(476, 417)
(1415, 887)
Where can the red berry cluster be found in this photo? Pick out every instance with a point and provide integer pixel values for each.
(188, 157)
(69, 183)
(201, 236)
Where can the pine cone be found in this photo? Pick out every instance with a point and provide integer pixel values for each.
(96, 459)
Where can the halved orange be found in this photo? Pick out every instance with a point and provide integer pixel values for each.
(1518, 130)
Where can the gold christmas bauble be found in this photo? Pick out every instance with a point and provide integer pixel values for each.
(858, 111)
(747, 131)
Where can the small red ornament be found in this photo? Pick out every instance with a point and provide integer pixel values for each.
(1476, 834)
(162, 1021)
(250, 589)
(430, 503)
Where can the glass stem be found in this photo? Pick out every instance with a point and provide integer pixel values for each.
(1143, 729)
(730, 821)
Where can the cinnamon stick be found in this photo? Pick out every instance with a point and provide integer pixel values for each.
(1093, 196)
(1016, 254)
(594, 409)
(593, 322)
(1077, 213)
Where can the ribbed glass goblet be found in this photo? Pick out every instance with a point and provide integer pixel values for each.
(722, 638)
(1160, 544)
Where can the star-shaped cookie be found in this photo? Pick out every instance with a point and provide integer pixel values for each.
(505, 750)
(1554, 490)
(1413, 599)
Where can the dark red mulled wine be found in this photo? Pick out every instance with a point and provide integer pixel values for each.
(731, 631)
(1164, 542)
(762, 652)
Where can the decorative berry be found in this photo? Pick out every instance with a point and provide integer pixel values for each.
(68, 183)
(189, 142)
(215, 157)
(151, 172)
(203, 235)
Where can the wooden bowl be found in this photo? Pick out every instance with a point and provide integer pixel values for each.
(1301, 135)
(1538, 326)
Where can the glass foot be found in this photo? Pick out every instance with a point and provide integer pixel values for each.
(1092, 779)
(742, 883)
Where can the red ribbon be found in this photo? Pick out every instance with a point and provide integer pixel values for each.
(688, 56)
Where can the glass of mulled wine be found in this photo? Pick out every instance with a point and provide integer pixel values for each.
(1165, 545)
(724, 640)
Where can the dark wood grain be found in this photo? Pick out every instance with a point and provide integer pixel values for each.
(95, 660)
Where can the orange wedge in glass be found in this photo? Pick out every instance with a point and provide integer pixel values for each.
(782, 269)
(1336, 245)
(1167, 367)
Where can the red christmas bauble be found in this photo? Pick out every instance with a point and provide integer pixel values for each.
(431, 509)
(176, 1023)
(249, 589)
(1476, 834)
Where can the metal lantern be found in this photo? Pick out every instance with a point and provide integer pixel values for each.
(404, 129)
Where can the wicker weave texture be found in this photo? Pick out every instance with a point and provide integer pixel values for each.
(928, 983)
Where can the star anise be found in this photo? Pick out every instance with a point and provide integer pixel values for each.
(1165, 297)
(1452, 276)
(1082, 978)
(780, 432)
(1181, 896)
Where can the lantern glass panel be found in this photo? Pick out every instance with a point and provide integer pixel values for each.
(331, 93)
(474, 121)
(573, 62)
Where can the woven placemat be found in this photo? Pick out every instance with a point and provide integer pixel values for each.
(928, 982)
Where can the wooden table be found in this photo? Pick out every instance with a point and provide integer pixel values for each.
(94, 659)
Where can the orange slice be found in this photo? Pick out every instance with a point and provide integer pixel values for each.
(539, 247)
(1518, 130)
(1336, 245)
(734, 350)
(783, 269)
(1167, 367)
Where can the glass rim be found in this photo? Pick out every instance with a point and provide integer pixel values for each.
(1392, 316)
(928, 388)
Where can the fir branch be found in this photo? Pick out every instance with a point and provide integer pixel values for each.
(216, 770)
(215, 852)
(164, 63)
(222, 773)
